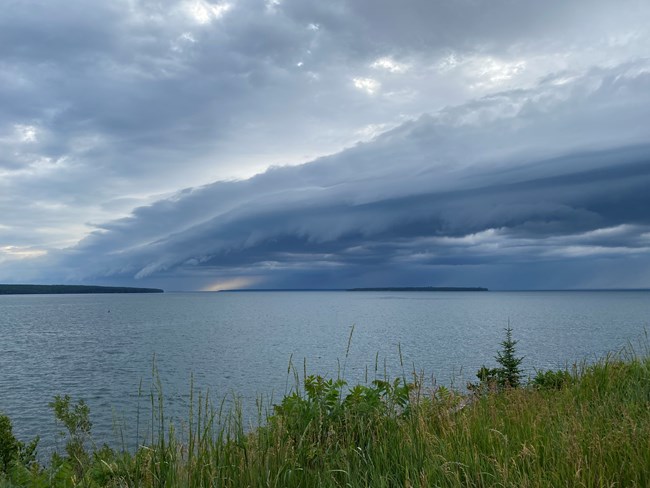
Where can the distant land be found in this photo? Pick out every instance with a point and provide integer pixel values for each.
(70, 289)
(394, 288)
(421, 288)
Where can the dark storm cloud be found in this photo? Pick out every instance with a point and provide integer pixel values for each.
(459, 189)
(109, 108)
(535, 208)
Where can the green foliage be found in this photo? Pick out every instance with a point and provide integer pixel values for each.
(8, 444)
(509, 374)
(488, 377)
(552, 380)
(325, 407)
(12, 451)
(76, 421)
(82, 466)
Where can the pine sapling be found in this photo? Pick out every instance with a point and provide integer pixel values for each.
(509, 374)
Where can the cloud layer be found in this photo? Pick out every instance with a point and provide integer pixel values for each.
(470, 143)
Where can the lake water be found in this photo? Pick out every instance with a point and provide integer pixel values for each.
(101, 347)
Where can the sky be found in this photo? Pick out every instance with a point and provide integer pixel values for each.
(201, 145)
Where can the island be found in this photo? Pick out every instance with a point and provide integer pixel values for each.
(70, 289)
(391, 288)
(421, 288)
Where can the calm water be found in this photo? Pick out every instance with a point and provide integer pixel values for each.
(101, 347)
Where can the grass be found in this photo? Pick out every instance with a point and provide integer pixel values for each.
(588, 427)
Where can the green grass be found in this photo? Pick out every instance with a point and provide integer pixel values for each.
(589, 427)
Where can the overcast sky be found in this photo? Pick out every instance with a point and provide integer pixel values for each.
(197, 145)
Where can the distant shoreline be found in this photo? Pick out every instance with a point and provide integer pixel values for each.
(70, 289)
(425, 289)
(408, 288)
(422, 288)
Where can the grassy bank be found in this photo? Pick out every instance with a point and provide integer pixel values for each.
(586, 427)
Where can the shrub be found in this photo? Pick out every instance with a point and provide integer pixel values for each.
(76, 420)
(509, 374)
(488, 380)
(506, 376)
(552, 380)
(324, 406)
(8, 444)
(12, 450)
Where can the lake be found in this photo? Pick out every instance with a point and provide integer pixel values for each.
(102, 347)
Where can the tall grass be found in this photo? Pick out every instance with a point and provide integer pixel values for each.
(592, 429)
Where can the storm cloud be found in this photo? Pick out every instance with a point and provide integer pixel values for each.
(326, 144)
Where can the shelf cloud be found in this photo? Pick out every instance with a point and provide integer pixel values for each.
(203, 145)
